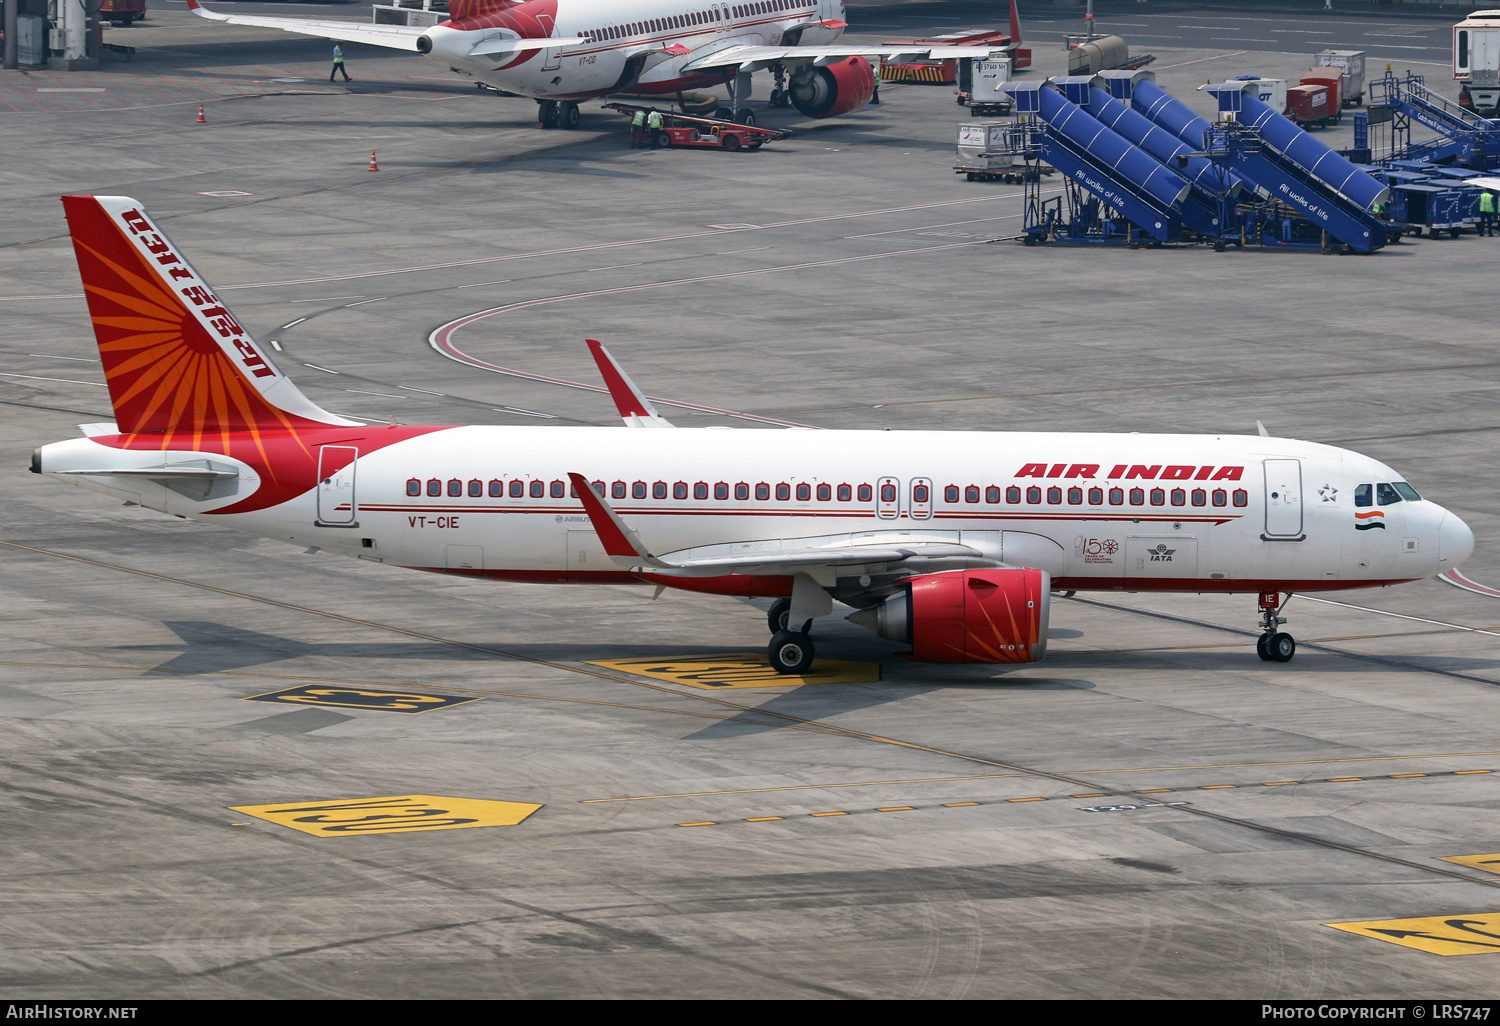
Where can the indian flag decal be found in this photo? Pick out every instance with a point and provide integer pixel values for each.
(1369, 521)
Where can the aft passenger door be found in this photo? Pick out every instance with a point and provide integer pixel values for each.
(336, 504)
(1284, 500)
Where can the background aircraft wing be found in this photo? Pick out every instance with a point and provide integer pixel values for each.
(397, 37)
(893, 53)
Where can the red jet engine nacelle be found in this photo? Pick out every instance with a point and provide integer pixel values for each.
(835, 89)
(969, 616)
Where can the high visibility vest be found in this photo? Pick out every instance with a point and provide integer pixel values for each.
(639, 119)
(653, 120)
(1487, 203)
(338, 55)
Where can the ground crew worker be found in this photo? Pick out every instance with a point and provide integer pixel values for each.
(1378, 209)
(653, 125)
(338, 63)
(1486, 213)
(637, 128)
(875, 93)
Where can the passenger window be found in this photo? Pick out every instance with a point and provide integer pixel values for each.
(888, 493)
(1096, 496)
(804, 492)
(825, 493)
(762, 491)
(992, 494)
(679, 490)
(638, 490)
(517, 489)
(1013, 494)
(1241, 497)
(434, 486)
(700, 490)
(659, 490)
(414, 487)
(1137, 497)
(1075, 496)
(971, 493)
(1179, 497)
(1200, 497)
(1362, 494)
(1158, 497)
(558, 489)
(1033, 495)
(1054, 495)
(1385, 495)
(721, 490)
(476, 488)
(845, 493)
(1220, 497)
(539, 489)
(866, 493)
(617, 490)
(497, 488)
(742, 491)
(455, 487)
(783, 492)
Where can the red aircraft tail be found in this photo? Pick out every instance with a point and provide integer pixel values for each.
(177, 362)
(1015, 25)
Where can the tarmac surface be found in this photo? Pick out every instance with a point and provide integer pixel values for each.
(1151, 812)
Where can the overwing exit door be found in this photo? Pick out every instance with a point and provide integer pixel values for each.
(336, 466)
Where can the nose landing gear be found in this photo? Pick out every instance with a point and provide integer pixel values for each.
(1274, 645)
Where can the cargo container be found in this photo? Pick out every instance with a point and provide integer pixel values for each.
(1270, 91)
(1352, 64)
(1308, 105)
(1338, 87)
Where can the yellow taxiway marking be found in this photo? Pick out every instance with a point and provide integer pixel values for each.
(1488, 863)
(763, 819)
(1398, 776)
(815, 814)
(1473, 934)
(343, 817)
(740, 670)
(364, 698)
(706, 822)
(803, 787)
(1343, 780)
(957, 805)
(897, 808)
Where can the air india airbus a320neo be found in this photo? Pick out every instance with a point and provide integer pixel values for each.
(950, 542)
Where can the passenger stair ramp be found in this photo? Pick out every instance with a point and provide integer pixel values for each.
(1466, 137)
(1285, 162)
(1102, 162)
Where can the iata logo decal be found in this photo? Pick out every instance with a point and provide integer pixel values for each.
(1369, 521)
(1160, 554)
(1095, 550)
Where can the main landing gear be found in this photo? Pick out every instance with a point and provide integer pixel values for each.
(791, 650)
(1274, 645)
(557, 114)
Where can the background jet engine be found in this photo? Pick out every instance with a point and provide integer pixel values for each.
(833, 90)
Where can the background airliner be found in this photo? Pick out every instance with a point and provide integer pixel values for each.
(596, 47)
(950, 542)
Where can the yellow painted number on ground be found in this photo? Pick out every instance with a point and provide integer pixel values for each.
(1488, 863)
(343, 817)
(1473, 934)
(741, 670)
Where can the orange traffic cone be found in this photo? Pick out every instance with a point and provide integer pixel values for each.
(373, 166)
(201, 118)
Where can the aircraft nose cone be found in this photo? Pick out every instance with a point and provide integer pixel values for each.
(1455, 541)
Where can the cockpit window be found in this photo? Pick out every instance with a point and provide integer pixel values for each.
(1407, 491)
(1385, 494)
(1362, 494)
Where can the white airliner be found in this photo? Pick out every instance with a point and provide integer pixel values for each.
(563, 51)
(950, 542)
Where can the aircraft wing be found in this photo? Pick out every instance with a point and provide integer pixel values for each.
(736, 56)
(396, 37)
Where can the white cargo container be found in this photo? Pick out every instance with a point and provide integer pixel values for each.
(989, 76)
(1270, 91)
(1352, 64)
(984, 148)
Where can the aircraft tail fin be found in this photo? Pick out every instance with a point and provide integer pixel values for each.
(177, 362)
(1015, 25)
